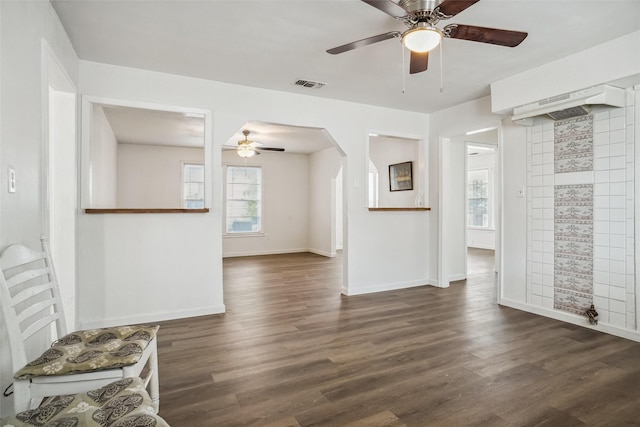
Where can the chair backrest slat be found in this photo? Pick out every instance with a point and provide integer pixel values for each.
(30, 293)
(29, 298)
(43, 307)
(25, 276)
(39, 325)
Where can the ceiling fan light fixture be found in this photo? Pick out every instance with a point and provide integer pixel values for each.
(422, 38)
(246, 151)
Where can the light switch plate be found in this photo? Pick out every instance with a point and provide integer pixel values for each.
(12, 180)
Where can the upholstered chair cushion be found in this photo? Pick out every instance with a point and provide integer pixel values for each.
(91, 350)
(123, 403)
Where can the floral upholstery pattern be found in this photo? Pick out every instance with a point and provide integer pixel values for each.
(91, 350)
(123, 403)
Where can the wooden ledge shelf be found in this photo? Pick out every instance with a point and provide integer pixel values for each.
(398, 209)
(144, 211)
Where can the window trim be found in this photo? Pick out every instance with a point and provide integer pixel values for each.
(184, 163)
(226, 233)
(490, 200)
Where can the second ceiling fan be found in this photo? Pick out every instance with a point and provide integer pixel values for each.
(247, 148)
(421, 16)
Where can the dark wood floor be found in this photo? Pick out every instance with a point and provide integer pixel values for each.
(291, 351)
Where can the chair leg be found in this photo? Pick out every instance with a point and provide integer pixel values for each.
(154, 384)
(21, 395)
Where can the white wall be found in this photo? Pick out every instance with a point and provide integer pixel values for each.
(514, 212)
(23, 25)
(617, 59)
(339, 211)
(62, 195)
(457, 214)
(104, 162)
(481, 239)
(285, 205)
(384, 250)
(323, 167)
(385, 151)
(150, 176)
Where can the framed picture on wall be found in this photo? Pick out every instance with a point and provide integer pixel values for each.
(401, 176)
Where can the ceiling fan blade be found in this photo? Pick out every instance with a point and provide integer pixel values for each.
(388, 7)
(268, 149)
(419, 62)
(364, 42)
(450, 8)
(484, 35)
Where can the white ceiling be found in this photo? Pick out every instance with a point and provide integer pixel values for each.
(168, 128)
(270, 44)
(294, 139)
(154, 127)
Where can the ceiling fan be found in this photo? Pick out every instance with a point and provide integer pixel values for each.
(421, 16)
(248, 148)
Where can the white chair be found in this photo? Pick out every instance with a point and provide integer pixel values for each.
(77, 362)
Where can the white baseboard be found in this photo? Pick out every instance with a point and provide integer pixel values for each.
(151, 317)
(477, 246)
(384, 287)
(323, 253)
(436, 283)
(257, 253)
(573, 319)
(278, 252)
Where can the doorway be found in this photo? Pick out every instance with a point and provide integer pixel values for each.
(300, 198)
(461, 256)
(480, 203)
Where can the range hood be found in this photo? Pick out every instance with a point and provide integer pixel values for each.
(571, 104)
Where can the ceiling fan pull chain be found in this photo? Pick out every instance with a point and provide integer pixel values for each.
(441, 73)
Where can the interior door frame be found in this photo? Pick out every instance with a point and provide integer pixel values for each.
(444, 157)
(57, 84)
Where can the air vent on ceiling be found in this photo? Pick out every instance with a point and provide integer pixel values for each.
(309, 84)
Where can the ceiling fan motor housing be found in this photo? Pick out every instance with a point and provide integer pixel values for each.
(412, 6)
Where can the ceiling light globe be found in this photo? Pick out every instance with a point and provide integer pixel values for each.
(421, 39)
(246, 152)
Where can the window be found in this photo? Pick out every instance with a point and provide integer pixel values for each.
(244, 199)
(193, 185)
(479, 209)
